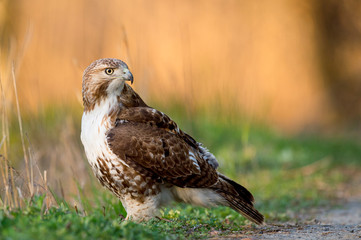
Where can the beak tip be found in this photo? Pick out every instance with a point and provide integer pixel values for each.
(128, 76)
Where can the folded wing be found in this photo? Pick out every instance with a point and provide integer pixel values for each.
(161, 154)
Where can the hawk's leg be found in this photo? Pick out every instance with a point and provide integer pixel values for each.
(141, 209)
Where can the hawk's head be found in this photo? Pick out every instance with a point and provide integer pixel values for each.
(102, 78)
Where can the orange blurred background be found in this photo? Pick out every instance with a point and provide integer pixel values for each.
(295, 65)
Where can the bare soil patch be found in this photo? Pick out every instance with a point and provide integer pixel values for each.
(341, 221)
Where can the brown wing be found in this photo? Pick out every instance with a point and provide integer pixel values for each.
(153, 117)
(161, 154)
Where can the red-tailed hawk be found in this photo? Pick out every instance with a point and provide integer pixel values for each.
(142, 156)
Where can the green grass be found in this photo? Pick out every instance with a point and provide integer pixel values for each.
(65, 223)
(285, 174)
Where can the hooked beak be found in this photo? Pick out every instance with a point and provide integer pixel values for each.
(128, 76)
(131, 78)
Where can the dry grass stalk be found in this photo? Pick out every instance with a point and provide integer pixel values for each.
(13, 184)
(4, 127)
(27, 166)
(10, 198)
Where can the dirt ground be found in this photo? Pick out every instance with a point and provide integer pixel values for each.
(342, 221)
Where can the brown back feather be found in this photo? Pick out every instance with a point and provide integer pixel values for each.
(160, 154)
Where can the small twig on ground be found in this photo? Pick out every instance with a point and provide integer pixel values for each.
(164, 219)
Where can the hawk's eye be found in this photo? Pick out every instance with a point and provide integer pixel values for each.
(109, 71)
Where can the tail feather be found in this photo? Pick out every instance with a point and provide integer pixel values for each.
(241, 191)
(238, 198)
(246, 209)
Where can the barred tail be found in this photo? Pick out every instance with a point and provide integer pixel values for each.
(238, 198)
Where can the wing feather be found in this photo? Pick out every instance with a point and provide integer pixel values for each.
(153, 117)
(155, 150)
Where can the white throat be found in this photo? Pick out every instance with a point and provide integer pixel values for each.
(115, 87)
(94, 125)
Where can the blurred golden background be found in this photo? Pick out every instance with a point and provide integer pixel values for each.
(292, 64)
